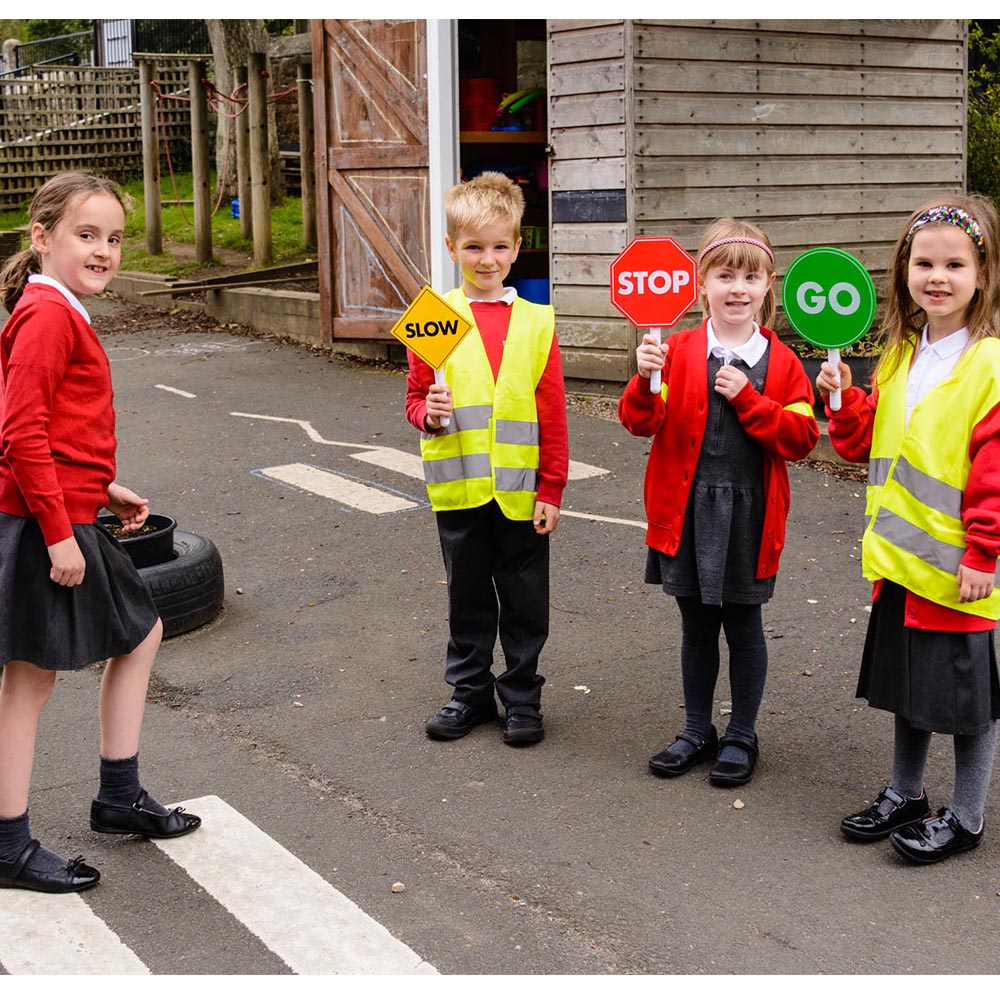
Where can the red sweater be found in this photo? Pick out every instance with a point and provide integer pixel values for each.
(677, 427)
(851, 430)
(57, 422)
(492, 319)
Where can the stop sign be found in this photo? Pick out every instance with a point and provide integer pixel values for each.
(654, 281)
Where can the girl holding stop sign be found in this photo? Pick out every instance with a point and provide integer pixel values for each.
(735, 405)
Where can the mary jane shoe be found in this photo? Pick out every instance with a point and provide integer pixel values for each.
(138, 819)
(935, 839)
(74, 876)
(888, 812)
(672, 763)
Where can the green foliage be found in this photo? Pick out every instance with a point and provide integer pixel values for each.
(984, 112)
(37, 30)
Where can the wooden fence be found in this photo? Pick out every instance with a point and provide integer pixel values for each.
(81, 118)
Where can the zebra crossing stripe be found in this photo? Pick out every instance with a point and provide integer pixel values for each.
(340, 488)
(56, 935)
(312, 927)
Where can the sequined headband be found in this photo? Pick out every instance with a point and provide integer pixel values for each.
(737, 239)
(955, 217)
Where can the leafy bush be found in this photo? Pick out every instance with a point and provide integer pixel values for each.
(984, 112)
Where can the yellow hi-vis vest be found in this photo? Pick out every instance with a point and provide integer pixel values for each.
(490, 448)
(917, 475)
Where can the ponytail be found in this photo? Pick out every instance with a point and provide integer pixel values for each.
(15, 276)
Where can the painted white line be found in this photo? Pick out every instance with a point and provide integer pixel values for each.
(395, 460)
(340, 488)
(311, 432)
(58, 935)
(179, 392)
(314, 928)
(603, 520)
(580, 470)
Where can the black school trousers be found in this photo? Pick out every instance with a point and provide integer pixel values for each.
(498, 583)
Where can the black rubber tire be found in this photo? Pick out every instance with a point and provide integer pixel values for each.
(188, 591)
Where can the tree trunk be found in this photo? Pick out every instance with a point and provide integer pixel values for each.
(232, 41)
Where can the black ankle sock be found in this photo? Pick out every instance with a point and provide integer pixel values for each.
(120, 785)
(15, 835)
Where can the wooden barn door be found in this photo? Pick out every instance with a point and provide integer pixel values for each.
(372, 172)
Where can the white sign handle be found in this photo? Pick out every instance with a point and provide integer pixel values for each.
(833, 356)
(655, 378)
(439, 378)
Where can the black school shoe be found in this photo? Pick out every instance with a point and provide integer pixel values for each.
(671, 764)
(935, 839)
(74, 876)
(522, 727)
(888, 812)
(729, 774)
(137, 819)
(457, 719)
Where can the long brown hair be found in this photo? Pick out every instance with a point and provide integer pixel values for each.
(904, 319)
(738, 255)
(51, 202)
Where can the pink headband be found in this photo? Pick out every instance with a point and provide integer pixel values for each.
(737, 239)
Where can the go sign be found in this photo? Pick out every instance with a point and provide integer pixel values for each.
(653, 282)
(829, 297)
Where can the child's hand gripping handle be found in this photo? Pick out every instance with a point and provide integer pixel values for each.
(833, 356)
(655, 378)
(439, 378)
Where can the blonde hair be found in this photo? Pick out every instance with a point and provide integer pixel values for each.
(904, 319)
(743, 252)
(488, 198)
(51, 202)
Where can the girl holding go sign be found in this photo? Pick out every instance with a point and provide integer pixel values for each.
(930, 432)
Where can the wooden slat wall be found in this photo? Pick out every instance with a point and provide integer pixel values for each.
(821, 132)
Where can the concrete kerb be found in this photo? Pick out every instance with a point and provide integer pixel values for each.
(295, 315)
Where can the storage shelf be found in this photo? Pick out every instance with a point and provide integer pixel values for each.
(502, 137)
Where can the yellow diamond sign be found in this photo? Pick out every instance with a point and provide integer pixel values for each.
(431, 328)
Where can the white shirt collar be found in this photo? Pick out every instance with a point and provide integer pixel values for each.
(751, 352)
(509, 294)
(946, 347)
(44, 279)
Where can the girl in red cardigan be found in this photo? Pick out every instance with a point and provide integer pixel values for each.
(69, 594)
(930, 433)
(734, 407)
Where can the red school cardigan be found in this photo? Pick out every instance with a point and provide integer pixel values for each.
(677, 426)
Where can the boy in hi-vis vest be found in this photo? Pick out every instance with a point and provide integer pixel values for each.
(495, 470)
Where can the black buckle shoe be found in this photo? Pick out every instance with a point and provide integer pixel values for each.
(935, 839)
(138, 819)
(670, 764)
(522, 727)
(74, 876)
(457, 719)
(727, 773)
(888, 812)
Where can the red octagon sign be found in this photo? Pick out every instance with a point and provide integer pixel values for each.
(654, 281)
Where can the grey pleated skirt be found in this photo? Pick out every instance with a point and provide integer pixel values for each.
(66, 628)
(941, 682)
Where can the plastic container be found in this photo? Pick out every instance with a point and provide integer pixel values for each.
(234, 208)
(148, 548)
(533, 289)
(477, 107)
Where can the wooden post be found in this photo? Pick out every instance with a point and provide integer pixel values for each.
(307, 156)
(150, 159)
(201, 174)
(242, 125)
(260, 161)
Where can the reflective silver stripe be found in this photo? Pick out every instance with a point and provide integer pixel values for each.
(470, 418)
(513, 480)
(929, 491)
(517, 432)
(878, 471)
(450, 470)
(919, 543)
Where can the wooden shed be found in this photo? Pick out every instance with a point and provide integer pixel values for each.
(822, 132)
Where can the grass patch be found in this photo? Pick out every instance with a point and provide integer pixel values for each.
(177, 225)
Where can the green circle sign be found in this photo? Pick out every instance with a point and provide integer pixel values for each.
(829, 297)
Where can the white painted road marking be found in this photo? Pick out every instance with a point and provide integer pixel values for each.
(42, 934)
(314, 928)
(179, 392)
(340, 488)
(606, 520)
